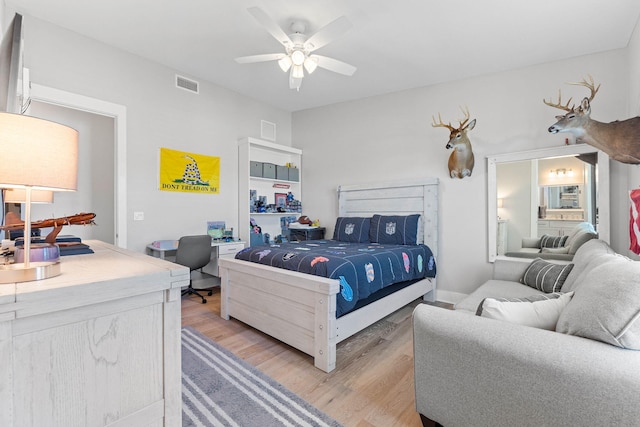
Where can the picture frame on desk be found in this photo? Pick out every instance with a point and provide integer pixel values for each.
(215, 229)
(280, 200)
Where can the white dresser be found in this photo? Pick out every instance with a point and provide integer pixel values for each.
(98, 345)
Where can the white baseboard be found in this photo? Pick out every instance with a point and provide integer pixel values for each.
(449, 296)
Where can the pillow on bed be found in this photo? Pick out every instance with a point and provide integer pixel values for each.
(352, 229)
(394, 229)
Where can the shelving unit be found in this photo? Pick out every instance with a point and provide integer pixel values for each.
(257, 150)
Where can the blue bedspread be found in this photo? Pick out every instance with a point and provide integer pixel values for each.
(362, 268)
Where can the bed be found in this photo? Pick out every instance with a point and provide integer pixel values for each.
(300, 309)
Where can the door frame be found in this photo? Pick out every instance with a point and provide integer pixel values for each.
(119, 115)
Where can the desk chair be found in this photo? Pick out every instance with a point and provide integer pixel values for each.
(193, 252)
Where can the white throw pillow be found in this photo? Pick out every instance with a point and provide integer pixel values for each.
(538, 314)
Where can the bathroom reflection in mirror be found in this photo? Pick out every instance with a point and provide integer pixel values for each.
(545, 191)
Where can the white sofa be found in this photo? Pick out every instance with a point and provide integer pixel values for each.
(476, 371)
(533, 247)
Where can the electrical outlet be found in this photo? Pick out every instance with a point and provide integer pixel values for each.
(138, 216)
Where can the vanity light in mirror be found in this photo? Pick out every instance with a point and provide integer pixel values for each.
(529, 177)
(560, 173)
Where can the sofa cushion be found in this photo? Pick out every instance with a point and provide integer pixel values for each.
(546, 276)
(606, 306)
(583, 227)
(562, 250)
(584, 261)
(541, 314)
(579, 240)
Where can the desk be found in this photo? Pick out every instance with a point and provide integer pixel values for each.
(219, 249)
(159, 252)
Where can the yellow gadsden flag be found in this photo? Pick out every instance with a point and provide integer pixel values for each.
(188, 172)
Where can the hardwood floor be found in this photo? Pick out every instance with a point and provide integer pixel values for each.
(372, 385)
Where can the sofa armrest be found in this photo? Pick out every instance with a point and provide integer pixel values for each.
(531, 242)
(511, 269)
(471, 370)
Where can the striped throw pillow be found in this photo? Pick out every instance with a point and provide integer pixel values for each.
(546, 276)
(548, 241)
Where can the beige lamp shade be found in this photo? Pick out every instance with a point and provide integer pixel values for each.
(37, 153)
(19, 195)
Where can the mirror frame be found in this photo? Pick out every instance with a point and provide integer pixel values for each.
(603, 199)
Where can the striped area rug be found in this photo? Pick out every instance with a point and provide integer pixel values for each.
(219, 389)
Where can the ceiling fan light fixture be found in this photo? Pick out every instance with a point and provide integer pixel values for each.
(285, 63)
(298, 57)
(297, 71)
(310, 64)
(298, 48)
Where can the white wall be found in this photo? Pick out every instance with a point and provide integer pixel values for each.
(158, 115)
(375, 139)
(390, 137)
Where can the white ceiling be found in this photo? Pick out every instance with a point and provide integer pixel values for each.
(395, 45)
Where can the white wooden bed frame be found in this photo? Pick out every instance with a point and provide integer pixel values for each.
(300, 309)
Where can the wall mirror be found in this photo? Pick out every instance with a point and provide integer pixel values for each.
(536, 192)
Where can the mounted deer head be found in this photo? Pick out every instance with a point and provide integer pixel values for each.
(461, 160)
(619, 139)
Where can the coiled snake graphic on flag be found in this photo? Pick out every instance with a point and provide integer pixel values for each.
(191, 173)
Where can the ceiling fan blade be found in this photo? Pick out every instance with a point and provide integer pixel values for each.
(328, 33)
(334, 65)
(270, 25)
(260, 58)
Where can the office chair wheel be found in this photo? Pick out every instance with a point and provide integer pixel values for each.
(204, 301)
(210, 292)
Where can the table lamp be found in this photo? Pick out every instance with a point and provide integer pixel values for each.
(19, 195)
(35, 154)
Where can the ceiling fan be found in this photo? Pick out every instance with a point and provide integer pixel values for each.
(298, 48)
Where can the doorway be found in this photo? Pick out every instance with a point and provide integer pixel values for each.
(103, 190)
(96, 182)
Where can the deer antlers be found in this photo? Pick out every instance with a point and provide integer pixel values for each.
(462, 122)
(588, 84)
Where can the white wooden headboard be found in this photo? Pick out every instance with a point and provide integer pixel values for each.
(395, 198)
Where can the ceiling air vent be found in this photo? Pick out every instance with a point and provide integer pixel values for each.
(187, 84)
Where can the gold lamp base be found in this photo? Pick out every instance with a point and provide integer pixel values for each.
(15, 273)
